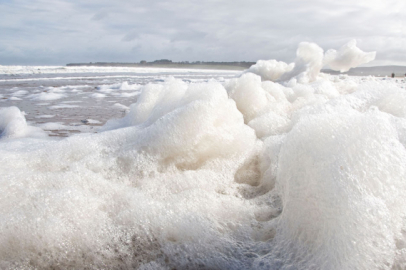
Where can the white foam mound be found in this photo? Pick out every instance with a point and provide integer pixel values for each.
(14, 125)
(348, 56)
(341, 190)
(98, 95)
(308, 63)
(208, 121)
(124, 86)
(121, 107)
(270, 69)
(50, 93)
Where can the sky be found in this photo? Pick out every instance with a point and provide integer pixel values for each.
(57, 32)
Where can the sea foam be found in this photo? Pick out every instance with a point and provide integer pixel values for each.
(282, 167)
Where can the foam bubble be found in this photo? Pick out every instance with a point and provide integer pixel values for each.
(50, 93)
(98, 95)
(14, 98)
(271, 69)
(14, 125)
(309, 61)
(348, 56)
(121, 107)
(341, 184)
(20, 93)
(62, 106)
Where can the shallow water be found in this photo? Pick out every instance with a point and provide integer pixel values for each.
(71, 96)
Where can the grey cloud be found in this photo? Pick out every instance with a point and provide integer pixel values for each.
(100, 15)
(188, 35)
(130, 36)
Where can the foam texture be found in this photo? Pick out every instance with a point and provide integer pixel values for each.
(247, 173)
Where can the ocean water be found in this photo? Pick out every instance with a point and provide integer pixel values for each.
(277, 167)
(68, 100)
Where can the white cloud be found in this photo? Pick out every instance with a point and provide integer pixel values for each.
(62, 31)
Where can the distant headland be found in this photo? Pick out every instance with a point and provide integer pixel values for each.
(398, 71)
(165, 63)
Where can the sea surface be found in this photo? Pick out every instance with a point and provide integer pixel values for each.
(67, 100)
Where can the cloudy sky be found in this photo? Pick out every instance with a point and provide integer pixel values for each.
(56, 32)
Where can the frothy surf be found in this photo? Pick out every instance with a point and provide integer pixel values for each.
(282, 167)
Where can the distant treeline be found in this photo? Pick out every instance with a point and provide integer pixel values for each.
(169, 63)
